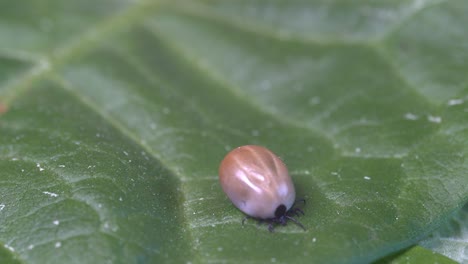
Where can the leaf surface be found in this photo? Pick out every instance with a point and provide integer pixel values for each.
(115, 115)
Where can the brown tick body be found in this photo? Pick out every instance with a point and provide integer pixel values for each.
(258, 183)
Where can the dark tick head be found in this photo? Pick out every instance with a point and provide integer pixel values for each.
(280, 211)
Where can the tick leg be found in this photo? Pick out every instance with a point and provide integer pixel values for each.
(295, 211)
(260, 221)
(296, 222)
(302, 200)
(298, 210)
(271, 227)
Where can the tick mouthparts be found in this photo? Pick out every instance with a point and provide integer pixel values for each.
(280, 210)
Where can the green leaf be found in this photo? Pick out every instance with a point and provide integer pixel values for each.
(7, 256)
(451, 239)
(417, 255)
(115, 115)
(73, 183)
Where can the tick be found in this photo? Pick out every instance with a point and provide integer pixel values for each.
(258, 183)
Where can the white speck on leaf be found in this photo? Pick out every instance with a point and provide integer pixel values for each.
(2, 206)
(51, 194)
(220, 249)
(120, 199)
(14, 159)
(455, 102)
(10, 248)
(314, 240)
(30, 247)
(56, 222)
(367, 178)
(273, 260)
(58, 244)
(61, 166)
(434, 119)
(126, 153)
(411, 116)
(39, 166)
(357, 150)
